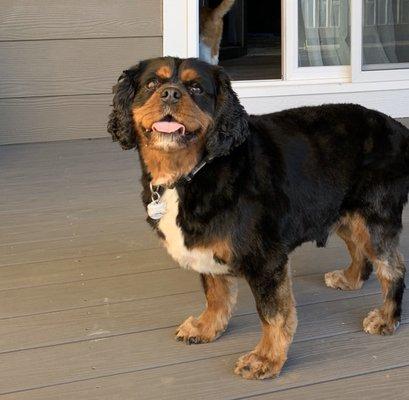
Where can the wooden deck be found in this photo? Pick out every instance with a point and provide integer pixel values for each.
(89, 301)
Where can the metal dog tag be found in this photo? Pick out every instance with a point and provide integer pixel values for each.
(156, 209)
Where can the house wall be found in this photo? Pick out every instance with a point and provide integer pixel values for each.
(59, 60)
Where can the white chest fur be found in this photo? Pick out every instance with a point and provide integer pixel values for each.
(200, 260)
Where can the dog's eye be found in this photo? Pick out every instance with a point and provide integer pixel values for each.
(152, 84)
(195, 88)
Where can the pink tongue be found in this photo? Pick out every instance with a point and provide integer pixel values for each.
(167, 127)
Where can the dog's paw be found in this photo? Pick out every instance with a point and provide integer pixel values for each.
(194, 331)
(254, 366)
(376, 324)
(337, 280)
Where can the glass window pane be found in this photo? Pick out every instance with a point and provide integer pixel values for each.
(323, 33)
(385, 35)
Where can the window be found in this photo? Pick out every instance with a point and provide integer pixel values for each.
(380, 40)
(308, 41)
(385, 36)
(323, 33)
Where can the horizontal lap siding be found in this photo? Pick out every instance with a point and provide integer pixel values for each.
(58, 19)
(69, 67)
(59, 60)
(41, 119)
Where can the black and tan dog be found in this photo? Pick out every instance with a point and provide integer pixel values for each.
(233, 195)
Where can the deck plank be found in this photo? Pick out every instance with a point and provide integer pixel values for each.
(387, 384)
(104, 356)
(341, 315)
(84, 268)
(89, 300)
(308, 289)
(311, 361)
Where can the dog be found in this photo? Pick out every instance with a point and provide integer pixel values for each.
(211, 31)
(232, 195)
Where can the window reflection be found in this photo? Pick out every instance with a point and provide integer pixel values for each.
(323, 33)
(385, 37)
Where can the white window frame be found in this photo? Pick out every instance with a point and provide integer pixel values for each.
(181, 28)
(359, 75)
(291, 70)
(181, 39)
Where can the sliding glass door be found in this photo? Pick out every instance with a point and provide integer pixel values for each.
(346, 40)
(318, 39)
(323, 33)
(380, 40)
(385, 35)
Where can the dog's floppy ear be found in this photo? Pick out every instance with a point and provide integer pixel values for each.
(231, 120)
(121, 124)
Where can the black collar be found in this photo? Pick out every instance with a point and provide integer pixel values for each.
(187, 178)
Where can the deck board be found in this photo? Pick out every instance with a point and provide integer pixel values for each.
(89, 300)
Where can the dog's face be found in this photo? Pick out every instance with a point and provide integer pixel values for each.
(175, 103)
(176, 111)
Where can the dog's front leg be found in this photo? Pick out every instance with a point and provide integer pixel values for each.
(221, 296)
(276, 307)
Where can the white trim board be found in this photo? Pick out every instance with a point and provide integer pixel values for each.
(258, 97)
(391, 102)
(180, 28)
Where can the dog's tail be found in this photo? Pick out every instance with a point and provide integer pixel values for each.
(223, 8)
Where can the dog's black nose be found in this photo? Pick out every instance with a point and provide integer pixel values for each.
(171, 95)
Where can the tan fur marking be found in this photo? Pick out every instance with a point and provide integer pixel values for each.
(382, 321)
(221, 248)
(221, 296)
(164, 72)
(186, 111)
(354, 232)
(270, 354)
(360, 235)
(341, 279)
(388, 270)
(379, 321)
(189, 74)
(167, 165)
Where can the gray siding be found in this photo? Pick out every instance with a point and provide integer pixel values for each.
(59, 60)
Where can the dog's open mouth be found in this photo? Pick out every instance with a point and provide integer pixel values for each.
(169, 126)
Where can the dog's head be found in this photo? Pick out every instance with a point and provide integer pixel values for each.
(174, 107)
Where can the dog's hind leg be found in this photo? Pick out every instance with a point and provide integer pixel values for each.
(390, 271)
(276, 307)
(360, 269)
(221, 296)
(376, 233)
